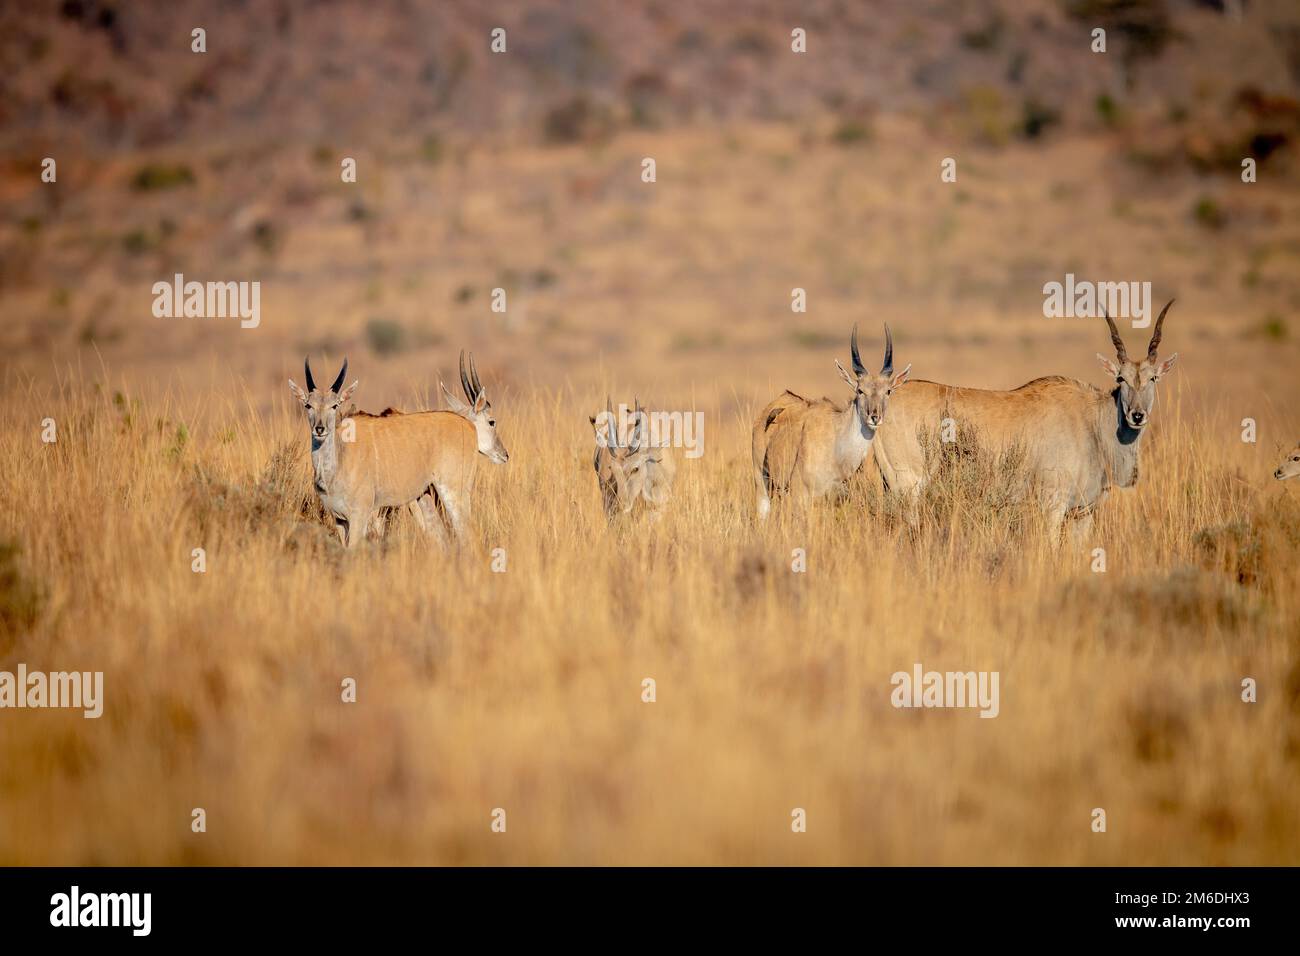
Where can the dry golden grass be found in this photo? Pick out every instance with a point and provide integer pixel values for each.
(522, 689)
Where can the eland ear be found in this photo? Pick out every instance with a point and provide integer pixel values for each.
(347, 392)
(901, 377)
(844, 374)
(297, 392)
(1167, 364)
(1108, 365)
(453, 403)
(602, 426)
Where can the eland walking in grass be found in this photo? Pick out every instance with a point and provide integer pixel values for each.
(1078, 441)
(424, 461)
(808, 449)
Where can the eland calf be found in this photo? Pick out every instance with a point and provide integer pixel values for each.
(638, 473)
(1290, 466)
(811, 448)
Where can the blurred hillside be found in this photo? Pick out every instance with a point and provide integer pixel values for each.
(521, 171)
(92, 73)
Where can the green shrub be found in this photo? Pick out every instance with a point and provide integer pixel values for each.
(162, 176)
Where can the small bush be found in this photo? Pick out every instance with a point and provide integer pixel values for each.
(811, 339)
(431, 149)
(754, 42)
(1251, 553)
(577, 120)
(1108, 111)
(1158, 729)
(162, 176)
(986, 117)
(1037, 117)
(649, 99)
(1209, 213)
(267, 237)
(280, 498)
(851, 132)
(20, 599)
(975, 490)
(141, 241)
(986, 37)
(1274, 327)
(1234, 549)
(387, 337)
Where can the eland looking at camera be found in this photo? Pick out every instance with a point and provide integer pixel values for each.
(425, 461)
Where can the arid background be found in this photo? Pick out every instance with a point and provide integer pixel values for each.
(522, 690)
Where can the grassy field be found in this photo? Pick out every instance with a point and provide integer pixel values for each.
(522, 690)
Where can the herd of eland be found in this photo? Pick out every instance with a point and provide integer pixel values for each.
(1077, 442)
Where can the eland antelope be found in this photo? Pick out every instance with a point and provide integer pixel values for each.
(638, 472)
(1079, 441)
(425, 461)
(811, 448)
(1290, 466)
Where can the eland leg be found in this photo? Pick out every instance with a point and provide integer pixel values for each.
(356, 529)
(456, 507)
(430, 519)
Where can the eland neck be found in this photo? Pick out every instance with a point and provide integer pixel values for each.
(852, 439)
(325, 459)
(1120, 442)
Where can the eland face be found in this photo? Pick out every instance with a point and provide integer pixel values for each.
(1136, 381)
(478, 412)
(871, 390)
(1290, 466)
(322, 405)
(636, 471)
